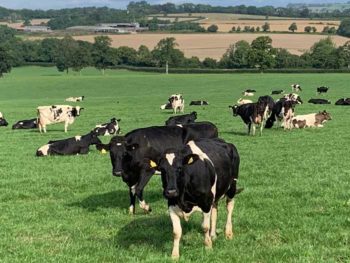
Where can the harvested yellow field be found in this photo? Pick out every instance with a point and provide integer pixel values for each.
(215, 45)
(18, 25)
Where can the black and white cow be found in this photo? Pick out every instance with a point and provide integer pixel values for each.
(166, 106)
(71, 146)
(250, 90)
(322, 89)
(56, 114)
(182, 119)
(109, 128)
(195, 178)
(343, 102)
(292, 97)
(319, 101)
(3, 122)
(296, 87)
(75, 99)
(131, 154)
(199, 103)
(26, 124)
(276, 92)
(282, 110)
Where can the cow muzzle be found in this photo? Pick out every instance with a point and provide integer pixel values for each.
(172, 193)
(117, 173)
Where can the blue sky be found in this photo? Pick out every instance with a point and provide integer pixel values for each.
(57, 4)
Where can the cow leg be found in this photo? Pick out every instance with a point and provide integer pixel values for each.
(145, 176)
(249, 126)
(254, 129)
(143, 204)
(228, 228)
(177, 231)
(132, 199)
(206, 228)
(65, 126)
(213, 220)
(44, 128)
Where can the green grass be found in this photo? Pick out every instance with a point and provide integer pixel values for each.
(295, 206)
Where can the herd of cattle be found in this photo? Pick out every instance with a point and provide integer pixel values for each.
(197, 167)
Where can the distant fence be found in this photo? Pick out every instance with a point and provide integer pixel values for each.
(207, 71)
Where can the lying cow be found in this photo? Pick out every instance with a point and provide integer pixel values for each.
(3, 122)
(131, 154)
(322, 89)
(296, 87)
(182, 119)
(109, 128)
(311, 120)
(177, 103)
(250, 90)
(276, 92)
(166, 106)
(55, 114)
(26, 124)
(195, 178)
(319, 101)
(199, 103)
(243, 101)
(75, 99)
(344, 102)
(71, 146)
(248, 94)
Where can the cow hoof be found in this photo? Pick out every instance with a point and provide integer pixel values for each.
(229, 235)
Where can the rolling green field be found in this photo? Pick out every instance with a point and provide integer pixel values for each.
(295, 206)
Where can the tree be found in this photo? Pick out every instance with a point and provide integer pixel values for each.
(325, 29)
(293, 27)
(324, 54)
(236, 55)
(314, 29)
(213, 28)
(262, 54)
(233, 29)
(344, 54)
(144, 57)
(101, 50)
(307, 29)
(27, 22)
(246, 29)
(266, 27)
(65, 53)
(344, 28)
(209, 63)
(166, 54)
(238, 29)
(5, 61)
(82, 56)
(257, 29)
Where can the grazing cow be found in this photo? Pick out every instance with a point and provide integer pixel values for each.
(282, 110)
(109, 128)
(166, 106)
(293, 97)
(343, 102)
(319, 101)
(182, 119)
(195, 178)
(276, 92)
(177, 103)
(131, 154)
(56, 114)
(296, 87)
(3, 122)
(250, 90)
(322, 89)
(243, 101)
(75, 99)
(248, 94)
(26, 124)
(199, 103)
(70, 146)
(311, 120)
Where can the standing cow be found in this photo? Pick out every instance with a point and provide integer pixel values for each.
(55, 114)
(3, 122)
(177, 103)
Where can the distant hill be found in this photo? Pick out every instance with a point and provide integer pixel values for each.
(322, 7)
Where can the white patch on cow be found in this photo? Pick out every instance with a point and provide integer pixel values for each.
(106, 133)
(206, 227)
(21, 122)
(170, 158)
(213, 188)
(228, 228)
(1, 116)
(309, 118)
(119, 144)
(131, 210)
(179, 125)
(133, 189)
(196, 150)
(144, 205)
(44, 149)
(77, 138)
(177, 230)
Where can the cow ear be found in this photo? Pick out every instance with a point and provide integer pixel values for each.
(190, 159)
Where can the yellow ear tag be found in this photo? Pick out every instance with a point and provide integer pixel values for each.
(152, 164)
(103, 151)
(190, 160)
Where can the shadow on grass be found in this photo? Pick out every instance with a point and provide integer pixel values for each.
(154, 232)
(114, 199)
(235, 133)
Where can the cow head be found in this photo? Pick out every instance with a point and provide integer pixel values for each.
(172, 165)
(234, 109)
(194, 114)
(3, 122)
(94, 138)
(117, 151)
(76, 111)
(325, 115)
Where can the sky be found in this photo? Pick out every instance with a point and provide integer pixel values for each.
(58, 4)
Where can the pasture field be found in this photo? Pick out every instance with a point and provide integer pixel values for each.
(295, 206)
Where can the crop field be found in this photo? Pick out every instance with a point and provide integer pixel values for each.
(295, 206)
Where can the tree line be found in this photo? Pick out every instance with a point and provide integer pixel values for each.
(69, 54)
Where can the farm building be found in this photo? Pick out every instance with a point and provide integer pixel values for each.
(36, 29)
(97, 29)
